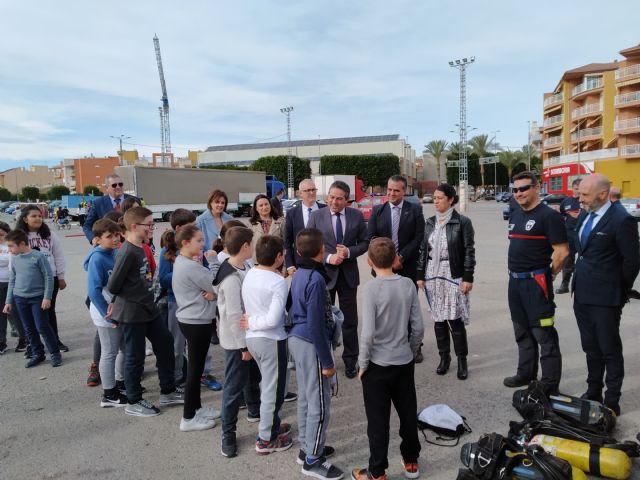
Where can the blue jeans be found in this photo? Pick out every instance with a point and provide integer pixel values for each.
(240, 378)
(36, 323)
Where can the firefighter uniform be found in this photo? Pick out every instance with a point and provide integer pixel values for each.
(531, 236)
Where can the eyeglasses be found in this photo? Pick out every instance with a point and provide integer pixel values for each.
(521, 189)
(310, 190)
(114, 185)
(150, 225)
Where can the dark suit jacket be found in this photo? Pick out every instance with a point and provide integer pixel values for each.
(355, 238)
(293, 224)
(608, 264)
(410, 232)
(99, 208)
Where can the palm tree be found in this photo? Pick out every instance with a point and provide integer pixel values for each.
(511, 160)
(480, 145)
(436, 148)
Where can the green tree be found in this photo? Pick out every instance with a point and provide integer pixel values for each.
(512, 159)
(373, 170)
(30, 194)
(5, 195)
(480, 145)
(92, 190)
(57, 191)
(436, 148)
(277, 165)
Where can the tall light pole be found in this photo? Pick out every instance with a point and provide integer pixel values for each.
(120, 138)
(463, 172)
(287, 111)
(495, 165)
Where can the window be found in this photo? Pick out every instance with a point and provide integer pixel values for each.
(555, 184)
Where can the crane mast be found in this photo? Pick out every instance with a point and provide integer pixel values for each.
(165, 130)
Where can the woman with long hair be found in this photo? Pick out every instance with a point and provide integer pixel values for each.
(264, 220)
(211, 221)
(446, 264)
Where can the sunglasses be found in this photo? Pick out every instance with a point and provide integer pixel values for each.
(114, 185)
(521, 189)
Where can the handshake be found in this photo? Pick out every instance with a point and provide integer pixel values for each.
(342, 253)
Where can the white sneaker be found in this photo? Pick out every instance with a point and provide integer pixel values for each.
(208, 412)
(197, 423)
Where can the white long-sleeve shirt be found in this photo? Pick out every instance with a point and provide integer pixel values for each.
(264, 295)
(51, 248)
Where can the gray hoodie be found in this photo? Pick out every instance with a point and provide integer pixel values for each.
(190, 279)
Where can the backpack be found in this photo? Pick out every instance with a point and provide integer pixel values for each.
(445, 422)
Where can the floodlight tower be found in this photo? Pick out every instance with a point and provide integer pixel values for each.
(287, 111)
(463, 176)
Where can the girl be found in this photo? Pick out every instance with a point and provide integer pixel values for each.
(43, 239)
(5, 257)
(265, 221)
(192, 285)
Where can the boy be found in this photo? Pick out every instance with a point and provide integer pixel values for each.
(241, 374)
(132, 288)
(30, 288)
(310, 347)
(99, 265)
(264, 294)
(391, 334)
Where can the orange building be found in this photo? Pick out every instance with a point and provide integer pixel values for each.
(80, 172)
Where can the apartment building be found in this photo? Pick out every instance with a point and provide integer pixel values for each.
(81, 172)
(15, 179)
(592, 124)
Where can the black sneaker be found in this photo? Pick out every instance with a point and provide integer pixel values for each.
(322, 469)
(229, 447)
(328, 452)
(27, 352)
(62, 347)
(56, 360)
(22, 345)
(113, 400)
(290, 397)
(3, 348)
(33, 361)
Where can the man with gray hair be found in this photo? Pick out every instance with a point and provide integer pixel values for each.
(112, 200)
(615, 195)
(608, 264)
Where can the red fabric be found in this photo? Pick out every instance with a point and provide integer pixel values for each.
(541, 279)
(149, 253)
(527, 237)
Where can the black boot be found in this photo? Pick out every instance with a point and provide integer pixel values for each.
(459, 334)
(564, 286)
(463, 373)
(442, 339)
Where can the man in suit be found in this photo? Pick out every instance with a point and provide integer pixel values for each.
(297, 219)
(607, 265)
(112, 200)
(345, 239)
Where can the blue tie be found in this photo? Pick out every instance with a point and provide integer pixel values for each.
(338, 229)
(309, 210)
(586, 231)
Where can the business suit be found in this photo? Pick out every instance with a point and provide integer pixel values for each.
(344, 278)
(294, 222)
(606, 267)
(410, 233)
(99, 208)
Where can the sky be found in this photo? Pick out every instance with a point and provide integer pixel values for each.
(73, 74)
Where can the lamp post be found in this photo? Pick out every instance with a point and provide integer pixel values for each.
(463, 172)
(495, 165)
(287, 111)
(120, 138)
(529, 146)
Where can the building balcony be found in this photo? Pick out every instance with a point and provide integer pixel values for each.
(553, 121)
(629, 151)
(554, 100)
(587, 86)
(627, 99)
(627, 73)
(627, 126)
(587, 110)
(552, 142)
(589, 156)
(586, 134)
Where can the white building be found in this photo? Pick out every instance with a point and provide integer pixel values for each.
(312, 150)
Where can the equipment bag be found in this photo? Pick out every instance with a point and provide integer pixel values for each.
(445, 422)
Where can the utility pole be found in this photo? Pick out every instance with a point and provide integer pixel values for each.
(287, 111)
(463, 172)
(495, 165)
(529, 146)
(120, 138)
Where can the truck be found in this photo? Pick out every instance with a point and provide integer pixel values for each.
(72, 202)
(356, 186)
(164, 189)
(245, 199)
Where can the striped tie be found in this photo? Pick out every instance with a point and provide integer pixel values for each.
(395, 225)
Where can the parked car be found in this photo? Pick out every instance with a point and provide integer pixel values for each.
(554, 199)
(287, 205)
(4, 205)
(365, 205)
(498, 196)
(11, 208)
(632, 206)
(427, 198)
(506, 196)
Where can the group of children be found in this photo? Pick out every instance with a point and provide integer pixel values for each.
(261, 325)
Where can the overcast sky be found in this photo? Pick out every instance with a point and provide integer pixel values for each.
(73, 73)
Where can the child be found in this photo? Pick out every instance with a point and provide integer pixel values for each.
(5, 261)
(193, 287)
(43, 239)
(99, 265)
(168, 253)
(264, 294)
(310, 346)
(241, 374)
(134, 310)
(391, 334)
(31, 287)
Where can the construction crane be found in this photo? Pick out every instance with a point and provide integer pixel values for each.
(165, 130)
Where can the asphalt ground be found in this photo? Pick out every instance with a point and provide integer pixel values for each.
(51, 425)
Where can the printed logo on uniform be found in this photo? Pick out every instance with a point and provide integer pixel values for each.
(511, 225)
(529, 225)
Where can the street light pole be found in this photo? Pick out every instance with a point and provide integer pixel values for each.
(120, 138)
(463, 172)
(529, 146)
(495, 165)
(287, 111)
